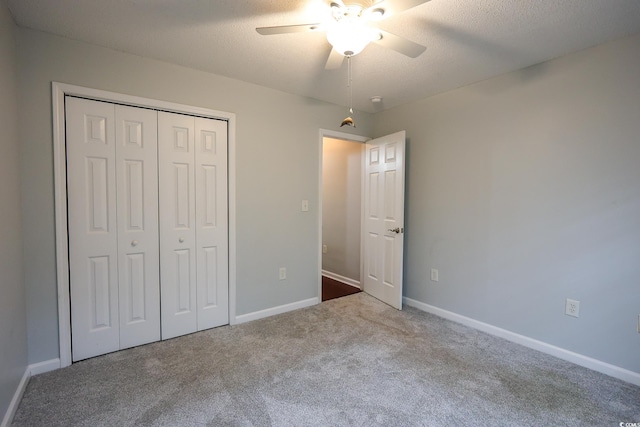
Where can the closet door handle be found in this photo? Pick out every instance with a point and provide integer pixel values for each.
(134, 243)
(181, 240)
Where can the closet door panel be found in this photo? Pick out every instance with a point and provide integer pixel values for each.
(177, 224)
(93, 249)
(211, 223)
(138, 236)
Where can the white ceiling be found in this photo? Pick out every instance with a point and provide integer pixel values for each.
(467, 40)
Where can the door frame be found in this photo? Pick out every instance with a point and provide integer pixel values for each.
(59, 91)
(327, 133)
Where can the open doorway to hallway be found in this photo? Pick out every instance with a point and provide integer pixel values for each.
(341, 217)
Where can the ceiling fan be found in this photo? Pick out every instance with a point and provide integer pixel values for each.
(350, 28)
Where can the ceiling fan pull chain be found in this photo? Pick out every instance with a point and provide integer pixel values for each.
(349, 120)
(350, 84)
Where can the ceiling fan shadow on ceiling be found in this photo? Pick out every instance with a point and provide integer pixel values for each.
(350, 28)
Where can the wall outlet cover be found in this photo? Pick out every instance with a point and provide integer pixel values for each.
(572, 308)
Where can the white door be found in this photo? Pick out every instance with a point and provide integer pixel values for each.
(113, 226)
(137, 207)
(176, 165)
(193, 223)
(383, 227)
(211, 223)
(93, 236)
(130, 243)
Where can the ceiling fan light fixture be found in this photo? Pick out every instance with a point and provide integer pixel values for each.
(350, 38)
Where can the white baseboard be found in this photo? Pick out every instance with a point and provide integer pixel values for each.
(342, 279)
(243, 318)
(561, 353)
(46, 366)
(31, 370)
(15, 401)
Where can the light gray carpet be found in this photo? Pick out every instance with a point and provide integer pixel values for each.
(350, 361)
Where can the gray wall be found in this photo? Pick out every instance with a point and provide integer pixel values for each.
(341, 194)
(13, 325)
(524, 190)
(277, 167)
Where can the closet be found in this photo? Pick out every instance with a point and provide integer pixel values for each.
(147, 225)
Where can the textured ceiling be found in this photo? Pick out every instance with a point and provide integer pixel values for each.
(467, 40)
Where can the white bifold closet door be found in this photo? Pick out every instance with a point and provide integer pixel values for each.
(192, 153)
(112, 187)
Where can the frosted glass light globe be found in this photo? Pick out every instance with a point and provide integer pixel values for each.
(349, 37)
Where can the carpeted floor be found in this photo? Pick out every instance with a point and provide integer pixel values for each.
(349, 361)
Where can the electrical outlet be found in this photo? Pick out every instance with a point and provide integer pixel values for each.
(283, 273)
(324, 249)
(434, 275)
(572, 308)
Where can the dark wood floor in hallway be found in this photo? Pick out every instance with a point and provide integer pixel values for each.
(333, 289)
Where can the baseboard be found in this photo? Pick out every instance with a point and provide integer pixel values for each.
(31, 370)
(46, 366)
(561, 353)
(243, 318)
(341, 279)
(15, 401)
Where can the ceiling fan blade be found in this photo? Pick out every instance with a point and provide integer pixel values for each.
(392, 7)
(334, 61)
(399, 44)
(285, 29)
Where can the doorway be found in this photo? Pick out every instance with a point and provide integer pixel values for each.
(381, 227)
(341, 206)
